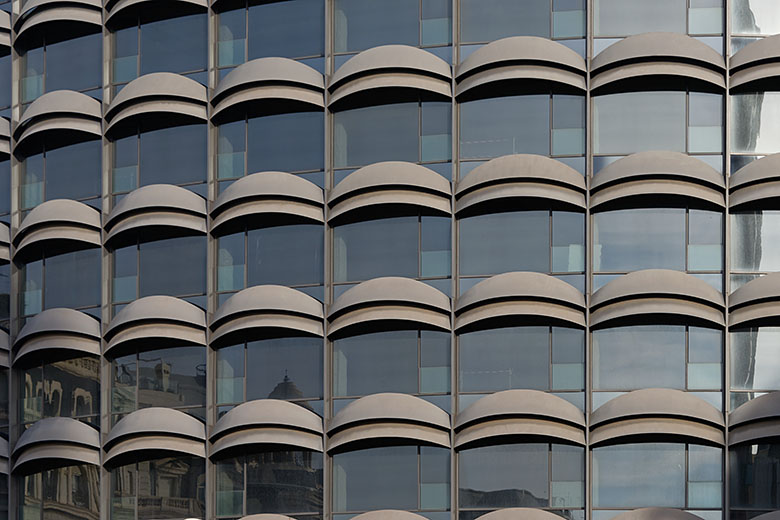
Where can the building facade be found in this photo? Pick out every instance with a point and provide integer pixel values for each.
(390, 259)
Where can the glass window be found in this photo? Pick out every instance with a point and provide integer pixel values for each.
(627, 17)
(167, 488)
(171, 378)
(412, 247)
(754, 235)
(521, 475)
(520, 241)
(67, 388)
(755, 363)
(405, 361)
(657, 356)
(46, 495)
(521, 124)
(539, 358)
(292, 29)
(483, 21)
(412, 132)
(270, 482)
(70, 280)
(362, 24)
(667, 469)
(755, 122)
(655, 238)
(5, 86)
(151, 268)
(755, 17)
(632, 122)
(753, 469)
(412, 478)
(5, 190)
(282, 368)
(280, 255)
(173, 155)
(66, 172)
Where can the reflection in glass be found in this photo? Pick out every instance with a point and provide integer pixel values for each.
(411, 478)
(755, 241)
(51, 493)
(755, 17)
(627, 17)
(753, 469)
(755, 363)
(67, 388)
(270, 482)
(755, 122)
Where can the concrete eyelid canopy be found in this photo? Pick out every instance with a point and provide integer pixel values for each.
(521, 176)
(755, 66)
(264, 197)
(126, 10)
(154, 432)
(390, 67)
(521, 513)
(55, 442)
(266, 423)
(388, 514)
(519, 414)
(263, 309)
(519, 296)
(657, 175)
(756, 421)
(155, 322)
(62, 117)
(59, 18)
(658, 294)
(55, 331)
(388, 419)
(161, 96)
(161, 206)
(521, 58)
(657, 54)
(389, 299)
(391, 183)
(756, 185)
(756, 303)
(656, 412)
(58, 225)
(657, 513)
(268, 80)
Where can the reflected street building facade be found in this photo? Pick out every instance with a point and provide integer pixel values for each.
(390, 259)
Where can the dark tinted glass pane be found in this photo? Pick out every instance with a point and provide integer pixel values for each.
(5, 187)
(75, 64)
(230, 374)
(362, 24)
(373, 363)
(285, 255)
(175, 155)
(503, 359)
(504, 476)
(74, 489)
(73, 388)
(753, 469)
(505, 125)
(358, 486)
(372, 134)
(172, 377)
(5, 295)
(284, 368)
(73, 279)
(286, 142)
(174, 267)
(488, 20)
(173, 487)
(124, 383)
(175, 45)
(73, 172)
(502, 242)
(5, 86)
(284, 482)
(291, 29)
(384, 247)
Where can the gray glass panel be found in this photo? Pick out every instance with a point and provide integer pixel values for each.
(647, 356)
(436, 244)
(125, 274)
(31, 69)
(568, 242)
(362, 24)
(31, 288)
(124, 382)
(753, 470)
(5, 295)
(644, 238)
(5, 86)
(503, 359)
(284, 482)
(755, 122)
(285, 255)
(627, 17)
(705, 131)
(161, 272)
(165, 489)
(285, 142)
(291, 29)
(488, 20)
(172, 378)
(705, 240)
(503, 242)
(755, 359)
(73, 489)
(75, 64)
(510, 475)
(175, 155)
(73, 172)
(175, 45)
(284, 368)
(230, 374)
(230, 262)
(372, 134)
(660, 483)
(755, 241)
(231, 38)
(231, 150)
(639, 121)
(505, 125)
(755, 17)
(73, 279)
(568, 475)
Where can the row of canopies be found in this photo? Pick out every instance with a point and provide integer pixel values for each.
(639, 180)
